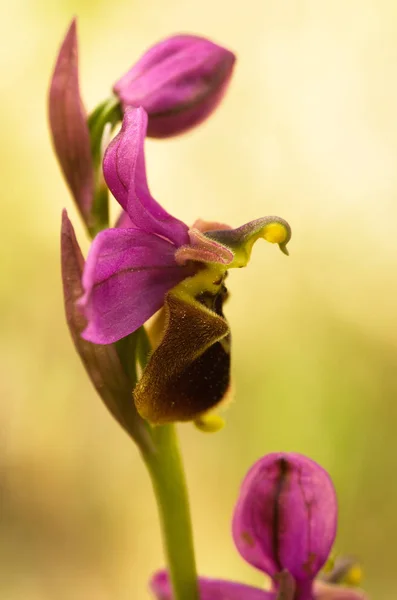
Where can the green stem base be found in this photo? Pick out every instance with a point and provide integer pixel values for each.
(166, 470)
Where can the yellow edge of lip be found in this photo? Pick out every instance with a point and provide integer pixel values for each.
(209, 423)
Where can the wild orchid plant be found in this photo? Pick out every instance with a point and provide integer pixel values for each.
(152, 263)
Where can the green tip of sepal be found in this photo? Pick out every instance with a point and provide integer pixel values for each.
(284, 249)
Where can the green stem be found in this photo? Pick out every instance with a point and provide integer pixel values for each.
(107, 113)
(166, 471)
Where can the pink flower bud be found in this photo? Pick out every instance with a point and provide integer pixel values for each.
(179, 82)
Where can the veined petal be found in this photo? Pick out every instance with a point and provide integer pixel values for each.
(126, 276)
(188, 374)
(210, 589)
(68, 125)
(125, 173)
(286, 516)
(326, 591)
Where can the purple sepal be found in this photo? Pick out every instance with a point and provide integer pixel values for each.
(68, 125)
(210, 589)
(179, 82)
(125, 174)
(286, 516)
(126, 276)
(102, 363)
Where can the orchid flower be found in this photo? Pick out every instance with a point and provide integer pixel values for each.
(155, 263)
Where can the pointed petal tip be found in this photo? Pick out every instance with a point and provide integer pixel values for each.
(69, 41)
(66, 226)
(284, 249)
(67, 230)
(72, 29)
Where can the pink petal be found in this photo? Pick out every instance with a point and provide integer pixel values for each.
(125, 173)
(126, 276)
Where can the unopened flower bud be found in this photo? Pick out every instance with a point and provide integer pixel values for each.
(286, 517)
(179, 82)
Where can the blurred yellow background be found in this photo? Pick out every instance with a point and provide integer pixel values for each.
(307, 131)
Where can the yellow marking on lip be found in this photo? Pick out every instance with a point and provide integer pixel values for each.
(275, 233)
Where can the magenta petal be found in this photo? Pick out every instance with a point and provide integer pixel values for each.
(68, 125)
(210, 589)
(286, 516)
(126, 277)
(125, 173)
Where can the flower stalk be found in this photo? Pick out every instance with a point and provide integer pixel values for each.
(165, 467)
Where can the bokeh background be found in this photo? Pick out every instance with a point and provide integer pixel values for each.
(308, 131)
